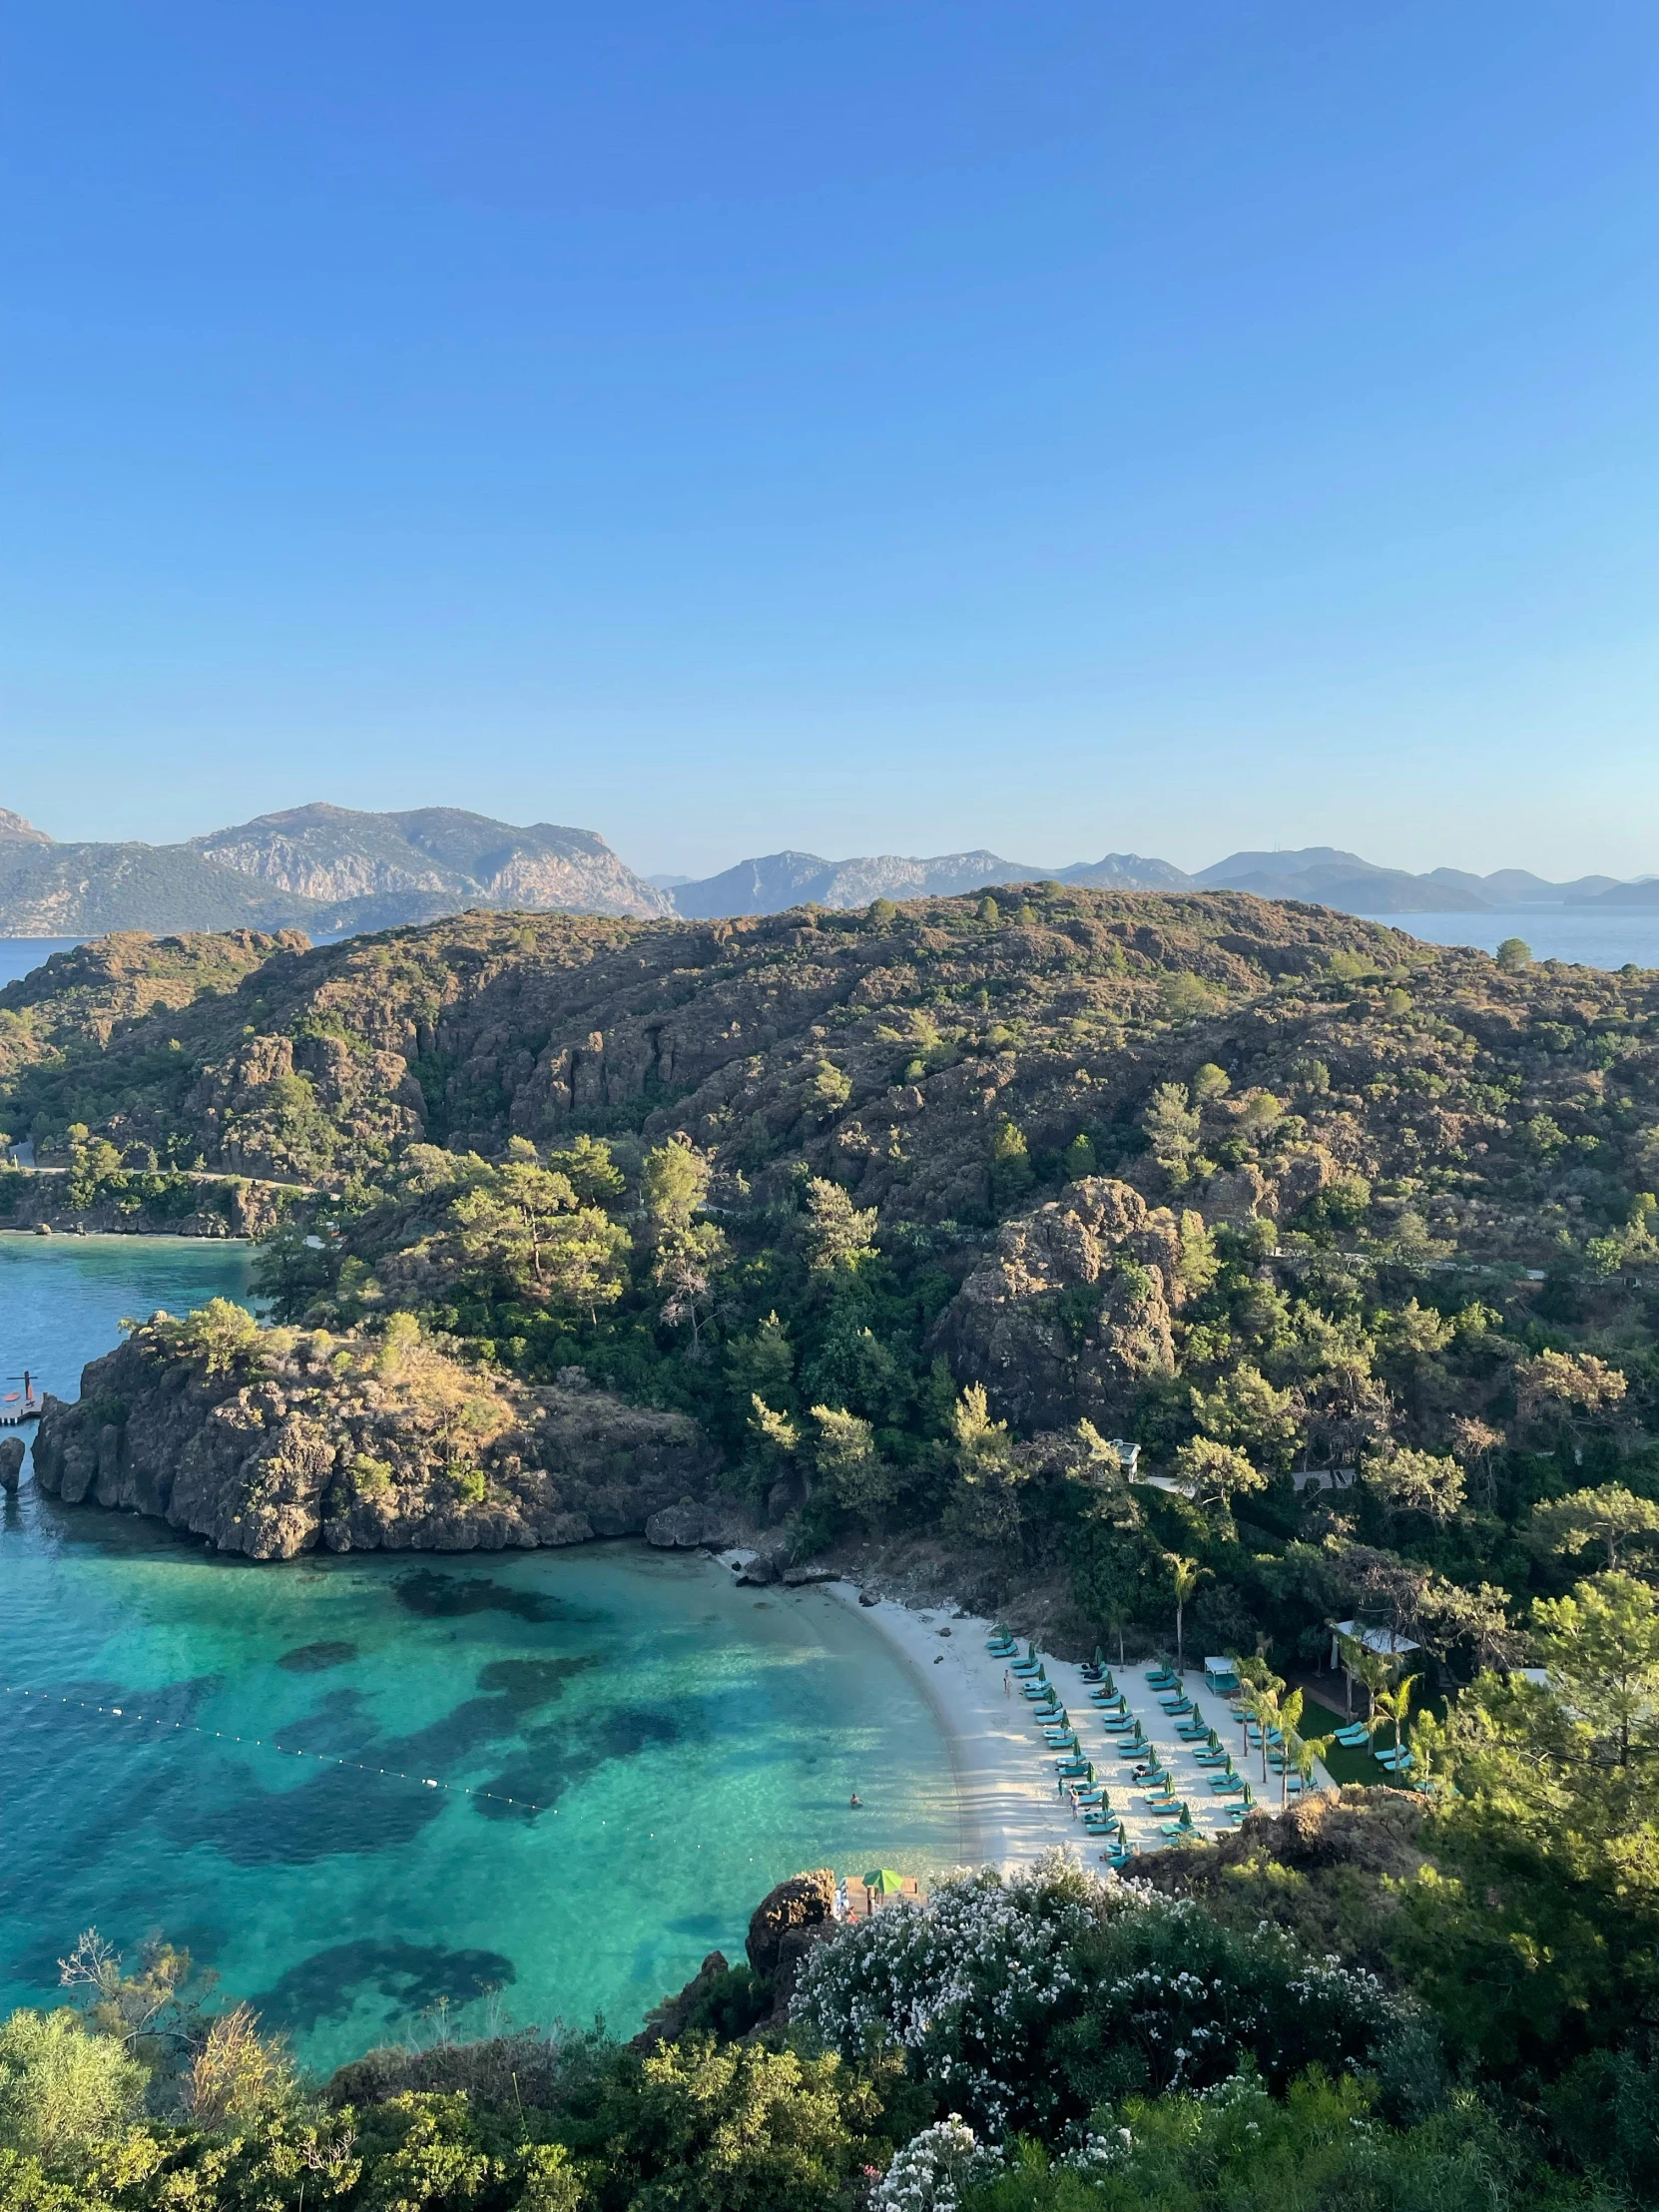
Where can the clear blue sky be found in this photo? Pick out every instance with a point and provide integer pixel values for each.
(857, 424)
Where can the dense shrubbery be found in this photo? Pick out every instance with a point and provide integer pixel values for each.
(1028, 2005)
(1049, 2046)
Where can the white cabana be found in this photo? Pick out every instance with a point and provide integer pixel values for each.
(1384, 1641)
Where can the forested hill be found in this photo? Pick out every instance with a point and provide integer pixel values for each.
(936, 1059)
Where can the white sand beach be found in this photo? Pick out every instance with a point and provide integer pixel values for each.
(1011, 1807)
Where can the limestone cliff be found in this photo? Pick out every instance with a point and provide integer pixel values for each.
(431, 860)
(271, 1442)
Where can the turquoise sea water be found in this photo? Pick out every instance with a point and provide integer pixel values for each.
(263, 1794)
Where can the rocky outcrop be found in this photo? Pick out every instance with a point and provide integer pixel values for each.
(11, 1461)
(784, 1927)
(714, 1524)
(668, 2021)
(805, 1901)
(1072, 1310)
(299, 1441)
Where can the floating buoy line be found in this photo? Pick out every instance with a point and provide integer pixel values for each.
(286, 1751)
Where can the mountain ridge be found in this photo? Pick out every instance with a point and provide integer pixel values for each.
(339, 870)
(320, 867)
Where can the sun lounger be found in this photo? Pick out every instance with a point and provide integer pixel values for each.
(1353, 1737)
(1160, 1678)
(1227, 1784)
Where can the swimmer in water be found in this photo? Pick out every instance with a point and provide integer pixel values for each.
(857, 1802)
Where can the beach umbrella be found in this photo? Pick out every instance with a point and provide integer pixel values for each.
(1186, 1814)
(1099, 1656)
(1030, 1651)
(884, 1882)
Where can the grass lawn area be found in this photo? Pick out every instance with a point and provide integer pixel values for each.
(1342, 1764)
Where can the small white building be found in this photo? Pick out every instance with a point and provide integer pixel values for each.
(1384, 1641)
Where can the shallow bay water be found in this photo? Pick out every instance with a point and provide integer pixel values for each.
(648, 1746)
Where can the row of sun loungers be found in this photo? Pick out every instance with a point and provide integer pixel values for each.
(1151, 1780)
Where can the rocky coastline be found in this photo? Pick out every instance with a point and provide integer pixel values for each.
(275, 1443)
(38, 1203)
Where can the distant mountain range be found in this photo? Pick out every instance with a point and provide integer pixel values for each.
(1322, 876)
(334, 870)
(782, 879)
(1319, 875)
(324, 870)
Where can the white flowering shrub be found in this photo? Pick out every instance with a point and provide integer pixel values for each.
(935, 2167)
(970, 1987)
(1032, 2002)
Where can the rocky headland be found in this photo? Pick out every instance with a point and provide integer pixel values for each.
(273, 1442)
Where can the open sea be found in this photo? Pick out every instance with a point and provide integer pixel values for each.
(1592, 936)
(243, 1757)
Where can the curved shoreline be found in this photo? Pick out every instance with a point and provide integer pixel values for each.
(1009, 1803)
(1008, 1810)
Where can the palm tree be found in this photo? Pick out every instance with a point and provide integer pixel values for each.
(1289, 1712)
(1263, 1707)
(1348, 1652)
(1375, 1672)
(1395, 1706)
(1185, 1576)
(1308, 1751)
